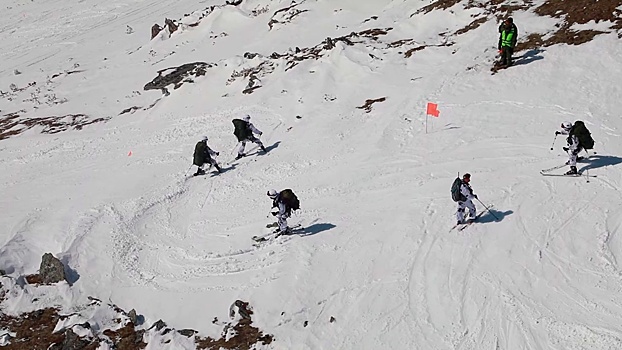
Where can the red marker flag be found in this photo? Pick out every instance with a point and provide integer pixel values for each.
(432, 109)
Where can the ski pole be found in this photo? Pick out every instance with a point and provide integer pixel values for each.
(234, 147)
(554, 142)
(186, 173)
(493, 215)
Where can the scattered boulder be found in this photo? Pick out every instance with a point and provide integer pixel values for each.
(187, 332)
(177, 76)
(241, 308)
(51, 270)
(158, 325)
(172, 26)
(133, 316)
(71, 342)
(155, 30)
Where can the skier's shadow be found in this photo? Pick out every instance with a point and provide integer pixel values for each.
(223, 170)
(317, 228)
(488, 217)
(268, 149)
(273, 146)
(597, 161)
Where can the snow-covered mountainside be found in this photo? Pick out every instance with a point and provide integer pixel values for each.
(102, 103)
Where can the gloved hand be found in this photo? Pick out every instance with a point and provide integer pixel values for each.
(475, 196)
(217, 154)
(565, 149)
(558, 133)
(260, 133)
(273, 213)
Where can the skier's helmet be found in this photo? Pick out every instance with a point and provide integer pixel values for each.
(272, 194)
(204, 138)
(247, 118)
(466, 177)
(566, 126)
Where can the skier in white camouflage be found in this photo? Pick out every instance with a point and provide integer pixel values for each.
(573, 149)
(203, 154)
(283, 212)
(466, 200)
(245, 131)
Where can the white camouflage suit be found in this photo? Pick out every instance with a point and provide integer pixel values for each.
(573, 148)
(251, 138)
(283, 214)
(467, 192)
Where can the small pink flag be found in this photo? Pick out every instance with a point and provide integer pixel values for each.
(129, 154)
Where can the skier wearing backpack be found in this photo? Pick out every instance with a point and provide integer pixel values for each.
(462, 193)
(203, 155)
(244, 131)
(579, 138)
(285, 201)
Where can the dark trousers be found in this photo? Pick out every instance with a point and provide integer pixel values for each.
(506, 56)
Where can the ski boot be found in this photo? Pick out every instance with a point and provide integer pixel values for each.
(240, 155)
(264, 150)
(199, 172)
(572, 171)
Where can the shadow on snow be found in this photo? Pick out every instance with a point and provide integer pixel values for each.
(597, 161)
(487, 217)
(317, 228)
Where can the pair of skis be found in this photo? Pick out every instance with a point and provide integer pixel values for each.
(296, 229)
(461, 227)
(546, 172)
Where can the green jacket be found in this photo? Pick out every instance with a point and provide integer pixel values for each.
(508, 36)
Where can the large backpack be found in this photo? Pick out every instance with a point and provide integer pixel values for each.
(242, 131)
(289, 198)
(583, 134)
(201, 155)
(456, 195)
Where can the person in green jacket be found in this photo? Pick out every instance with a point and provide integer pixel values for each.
(204, 155)
(508, 34)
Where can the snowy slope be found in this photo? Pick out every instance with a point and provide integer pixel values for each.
(374, 187)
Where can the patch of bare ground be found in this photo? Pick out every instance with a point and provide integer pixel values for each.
(240, 336)
(173, 25)
(285, 15)
(34, 331)
(570, 12)
(577, 12)
(294, 57)
(368, 103)
(177, 76)
(126, 338)
(12, 124)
